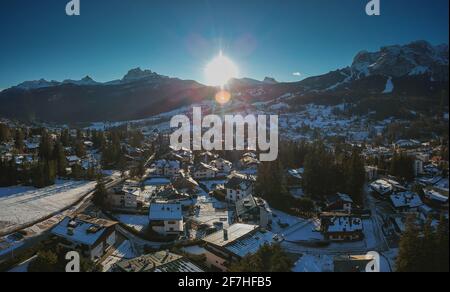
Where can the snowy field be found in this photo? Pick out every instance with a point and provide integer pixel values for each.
(20, 206)
(195, 250)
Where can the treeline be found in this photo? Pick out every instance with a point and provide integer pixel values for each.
(327, 171)
(424, 249)
(112, 145)
(399, 165)
(51, 163)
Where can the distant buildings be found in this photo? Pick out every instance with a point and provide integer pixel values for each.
(167, 168)
(204, 171)
(224, 166)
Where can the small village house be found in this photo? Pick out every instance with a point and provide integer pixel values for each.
(239, 240)
(166, 218)
(90, 236)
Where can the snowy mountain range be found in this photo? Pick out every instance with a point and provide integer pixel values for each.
(133, 75)
(415, 69)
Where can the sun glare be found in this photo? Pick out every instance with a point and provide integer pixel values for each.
(220, 70)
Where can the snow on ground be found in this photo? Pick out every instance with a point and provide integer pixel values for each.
(212, 185)
(316, 117)
(314, 264)
(389, 86)
(208, 211)
(123, 252)
(282, 221)
(306, 232)
(195, 250)
(5, 192)
(29, 206)
(137, 222)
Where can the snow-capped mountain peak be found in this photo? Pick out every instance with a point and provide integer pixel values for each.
(419, 57)
(270, 80)
(139, 74)
(36, 84)
(86, 81)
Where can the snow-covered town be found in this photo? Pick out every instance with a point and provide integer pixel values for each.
(229, 141)
(128, 202)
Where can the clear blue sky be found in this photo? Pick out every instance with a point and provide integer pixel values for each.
(178, 37)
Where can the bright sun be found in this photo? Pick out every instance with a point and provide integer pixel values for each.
(220, 70)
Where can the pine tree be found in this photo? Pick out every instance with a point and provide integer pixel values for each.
(100, 195)
(5, 133)
(321, 176)
(45, 147)
(65, 138)
(356, 176)
(268, 259)
(408, 259)
(80, 150)
(60, 157)
(18, 140)
(442, 243)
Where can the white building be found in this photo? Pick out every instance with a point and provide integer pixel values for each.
(238, 188)
(166, 219)
(168, 168)
(239, 240)
(222, 165)
(205, 171)
(91, 236)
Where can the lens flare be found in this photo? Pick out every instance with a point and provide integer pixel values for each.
(220, 70)
(223, 97)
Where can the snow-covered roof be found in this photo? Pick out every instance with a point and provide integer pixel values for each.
(381, 186)
(167, 163)
(297, 173)
(339, 197)
(241, 239)
(435, 196)
(344, 224)
(161, 261)
(406, 199)
(203, 166)
(73, 158)
(238, 183)
(235, 232)
(82, 229)
(165, 211)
